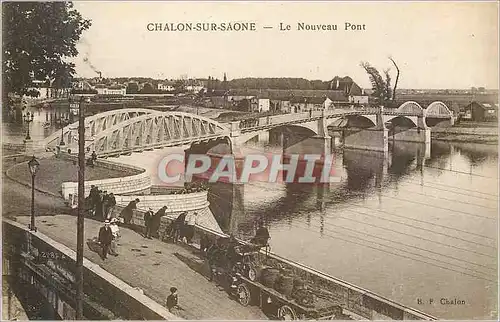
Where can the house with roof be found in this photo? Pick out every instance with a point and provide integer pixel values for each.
(479, 112)
(103, 89)
(166, 86)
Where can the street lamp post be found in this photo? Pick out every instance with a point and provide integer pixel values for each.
(33, 165)
(28, 118)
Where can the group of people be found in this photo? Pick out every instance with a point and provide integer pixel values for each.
(152, 222)
(109, 234)
(101, 204)
(182, 228)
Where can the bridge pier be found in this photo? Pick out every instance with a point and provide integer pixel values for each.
(366, 139)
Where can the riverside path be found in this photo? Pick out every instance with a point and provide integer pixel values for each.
(152, 266)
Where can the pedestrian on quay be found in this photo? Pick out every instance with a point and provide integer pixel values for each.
(156, 220)
(262, 236)
(177, 227)
(128, 212)
(189, 227)
(94, 199)
(105, 239)
(105, 204)
(148, 218)
(173, 301)
(111, 206)
(99, 206)
(116, 235)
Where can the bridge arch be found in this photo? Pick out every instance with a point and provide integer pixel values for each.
(97, 123)
(357, 121)
(154, 131)
(410, 107)
(437, 108)
(401, 121)
(304, 130)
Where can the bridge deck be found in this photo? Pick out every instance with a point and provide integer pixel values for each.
(153, 272)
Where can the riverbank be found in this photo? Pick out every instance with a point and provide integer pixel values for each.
(485, 133)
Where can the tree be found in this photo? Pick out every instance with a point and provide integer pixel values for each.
(132, 88)
(38, 38)
(148, 89)
(397, 78)
(381, 88)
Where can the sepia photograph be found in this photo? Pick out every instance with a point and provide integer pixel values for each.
(250, 160)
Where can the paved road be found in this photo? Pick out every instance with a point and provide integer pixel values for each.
(16, 198)
(154, 267)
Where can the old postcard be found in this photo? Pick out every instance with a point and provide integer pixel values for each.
(250, 160)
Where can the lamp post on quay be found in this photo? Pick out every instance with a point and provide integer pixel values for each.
(33, 165)
(81, 203)
(28, 118)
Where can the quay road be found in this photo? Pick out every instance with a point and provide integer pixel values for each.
(153, 272)
(152, 266)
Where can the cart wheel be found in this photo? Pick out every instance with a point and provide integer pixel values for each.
(243, 294)
(286, 313)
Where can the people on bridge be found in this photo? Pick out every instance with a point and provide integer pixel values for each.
(128, 212)
(262, 236)
(105, 238)
(148, 216)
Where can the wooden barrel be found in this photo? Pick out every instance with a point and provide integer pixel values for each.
(269, 276)
(284, 285)
(298, 283)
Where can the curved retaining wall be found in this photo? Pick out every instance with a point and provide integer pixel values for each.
(124, 185)
(190, 202)
(176, 203)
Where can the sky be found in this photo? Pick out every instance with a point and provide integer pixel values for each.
(436, 44)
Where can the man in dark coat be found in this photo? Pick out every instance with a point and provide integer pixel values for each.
(177, 227)
(111, 203)
(148, 218)
(99, 206)
(128, 211)
(173, 301)
(105, 238)
(261, 235)
(156, 220)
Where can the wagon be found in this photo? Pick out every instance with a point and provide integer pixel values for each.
(282, 307)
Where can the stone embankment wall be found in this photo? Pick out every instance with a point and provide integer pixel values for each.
(106, 296)
(467, 131)
(139, 181)
(357, 300)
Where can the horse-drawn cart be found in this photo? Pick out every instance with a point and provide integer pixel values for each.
(283, 307)
(279, 294)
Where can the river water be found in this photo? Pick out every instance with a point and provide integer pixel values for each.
(414, 225)
(418, 225)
